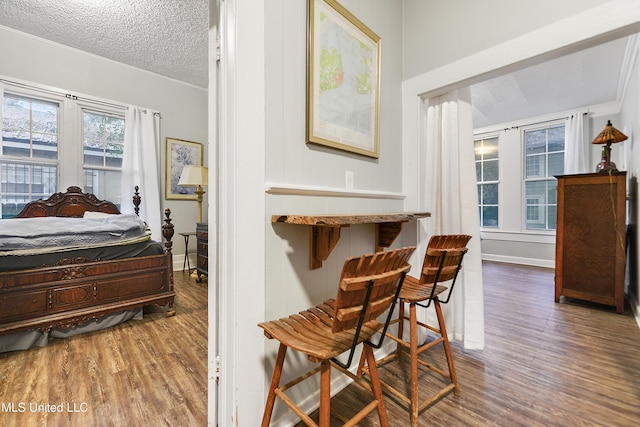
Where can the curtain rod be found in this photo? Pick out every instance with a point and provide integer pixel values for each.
(544, 121)
(530, 124)
(71, 96)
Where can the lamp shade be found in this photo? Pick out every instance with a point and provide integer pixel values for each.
(193, 176)
(609, 135)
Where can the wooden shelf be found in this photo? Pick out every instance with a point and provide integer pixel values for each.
(325, 230)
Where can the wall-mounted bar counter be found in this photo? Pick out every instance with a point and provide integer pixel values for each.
(324, 231)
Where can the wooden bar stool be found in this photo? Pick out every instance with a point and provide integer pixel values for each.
(442, 262)
(369, 286)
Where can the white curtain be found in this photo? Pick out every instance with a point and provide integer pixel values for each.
(451, 195)
(576, 150)
(1, 106)
(141, 167)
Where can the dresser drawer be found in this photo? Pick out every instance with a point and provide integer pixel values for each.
(203, 263)
(202, 231)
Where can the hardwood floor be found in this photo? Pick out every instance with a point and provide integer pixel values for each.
(149, 372)
(544, 364)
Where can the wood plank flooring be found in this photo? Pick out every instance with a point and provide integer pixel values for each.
(544, 364)
(150, 372)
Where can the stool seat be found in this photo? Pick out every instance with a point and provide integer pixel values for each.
(310, 332)
(413, 291)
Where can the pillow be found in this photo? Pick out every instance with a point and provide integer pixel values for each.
(96, 215)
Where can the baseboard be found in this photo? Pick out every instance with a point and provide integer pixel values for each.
(536, 262)
(311, 403)
(635, 308)
(179, 262)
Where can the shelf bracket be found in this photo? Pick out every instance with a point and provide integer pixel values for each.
(386, 233)
(322, 240)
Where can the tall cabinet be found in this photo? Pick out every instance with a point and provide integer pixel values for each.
(590, 238)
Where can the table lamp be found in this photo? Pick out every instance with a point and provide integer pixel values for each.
(195, 176)
(608, 136)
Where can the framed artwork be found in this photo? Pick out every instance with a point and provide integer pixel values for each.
(343, 80)
(180, 154)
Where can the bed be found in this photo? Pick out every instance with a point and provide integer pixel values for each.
(63, 289)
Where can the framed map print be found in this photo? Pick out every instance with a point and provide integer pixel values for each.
(181, 153)
(343, 80)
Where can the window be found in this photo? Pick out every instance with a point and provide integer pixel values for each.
(103, 145)
(487, 176)
(41, 151)
(544, 158)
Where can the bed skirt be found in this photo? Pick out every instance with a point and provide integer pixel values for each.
(25, 340)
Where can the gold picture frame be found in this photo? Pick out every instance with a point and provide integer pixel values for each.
(181, 153)
(343, 80)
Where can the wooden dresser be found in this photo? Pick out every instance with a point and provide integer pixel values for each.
(590, 238)
(202, 240)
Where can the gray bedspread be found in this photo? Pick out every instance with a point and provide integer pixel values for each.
(31, 235)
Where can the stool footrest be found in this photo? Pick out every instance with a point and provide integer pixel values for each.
(428, 402)
(434, 398)
(434, 369)
(285, 399)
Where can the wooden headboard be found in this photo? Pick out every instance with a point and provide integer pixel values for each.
(73, 203)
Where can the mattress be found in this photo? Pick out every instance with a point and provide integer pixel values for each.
(54, 234)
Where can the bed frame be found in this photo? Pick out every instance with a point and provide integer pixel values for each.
(78, 290)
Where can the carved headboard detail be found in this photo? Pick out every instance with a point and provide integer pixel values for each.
(73, 203)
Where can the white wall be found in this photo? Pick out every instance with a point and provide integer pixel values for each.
(291, 164)
(265, 167)
(440, 32)
(289, 159)
(183, 106)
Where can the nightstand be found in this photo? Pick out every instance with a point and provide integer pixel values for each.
(186, 262)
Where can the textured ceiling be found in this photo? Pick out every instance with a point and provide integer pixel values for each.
(167, 37)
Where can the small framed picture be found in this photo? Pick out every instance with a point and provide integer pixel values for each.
(181, 153)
